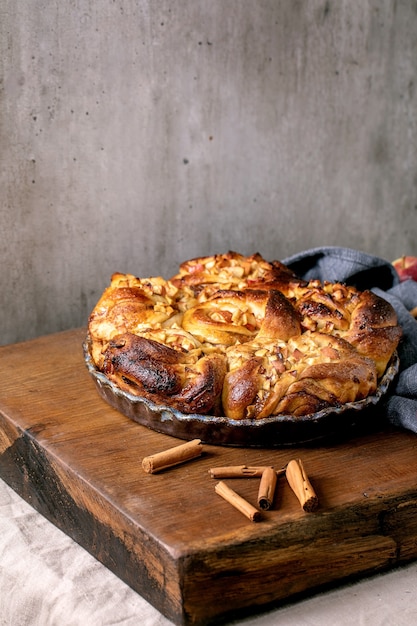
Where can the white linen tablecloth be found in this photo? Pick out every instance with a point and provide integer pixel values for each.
(46, 579)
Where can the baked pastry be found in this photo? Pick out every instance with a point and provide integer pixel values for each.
(205, 275)
(187, 381)
(242, 337)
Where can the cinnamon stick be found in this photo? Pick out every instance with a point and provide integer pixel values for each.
(241, 471)
(237, 501)
(173, 456)
(301, 486)
(237, 471)
(267, 488)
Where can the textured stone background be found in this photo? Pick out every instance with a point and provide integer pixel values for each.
(137, 133)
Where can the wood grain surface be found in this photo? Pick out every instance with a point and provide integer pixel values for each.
(169, 535)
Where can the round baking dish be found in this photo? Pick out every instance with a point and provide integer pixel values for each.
(269, 432)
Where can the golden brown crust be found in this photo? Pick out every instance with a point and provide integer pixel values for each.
(377, 344)
(148, 368)
(242, 337)
(130, 304)
(313, 369)
(231, 316)
(205, 275)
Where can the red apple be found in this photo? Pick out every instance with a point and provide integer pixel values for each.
(406, 267)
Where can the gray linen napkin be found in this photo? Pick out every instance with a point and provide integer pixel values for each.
(365, 271)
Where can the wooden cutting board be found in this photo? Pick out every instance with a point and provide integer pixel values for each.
(169, 535)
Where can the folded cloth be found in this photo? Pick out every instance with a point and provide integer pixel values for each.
(366, 271)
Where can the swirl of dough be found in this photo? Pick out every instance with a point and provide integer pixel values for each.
(373, 330)
(205, 275)
(147, 368)
(364, 319)
(329, 384)
(231, 317)
(325, 308)
(130, 304)
(304, 375)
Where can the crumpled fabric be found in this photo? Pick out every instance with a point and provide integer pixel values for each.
(365, 271)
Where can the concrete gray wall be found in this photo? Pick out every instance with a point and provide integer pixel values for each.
(139, 133)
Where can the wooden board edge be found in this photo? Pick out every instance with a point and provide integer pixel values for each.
(102, 530)
(236, 580)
